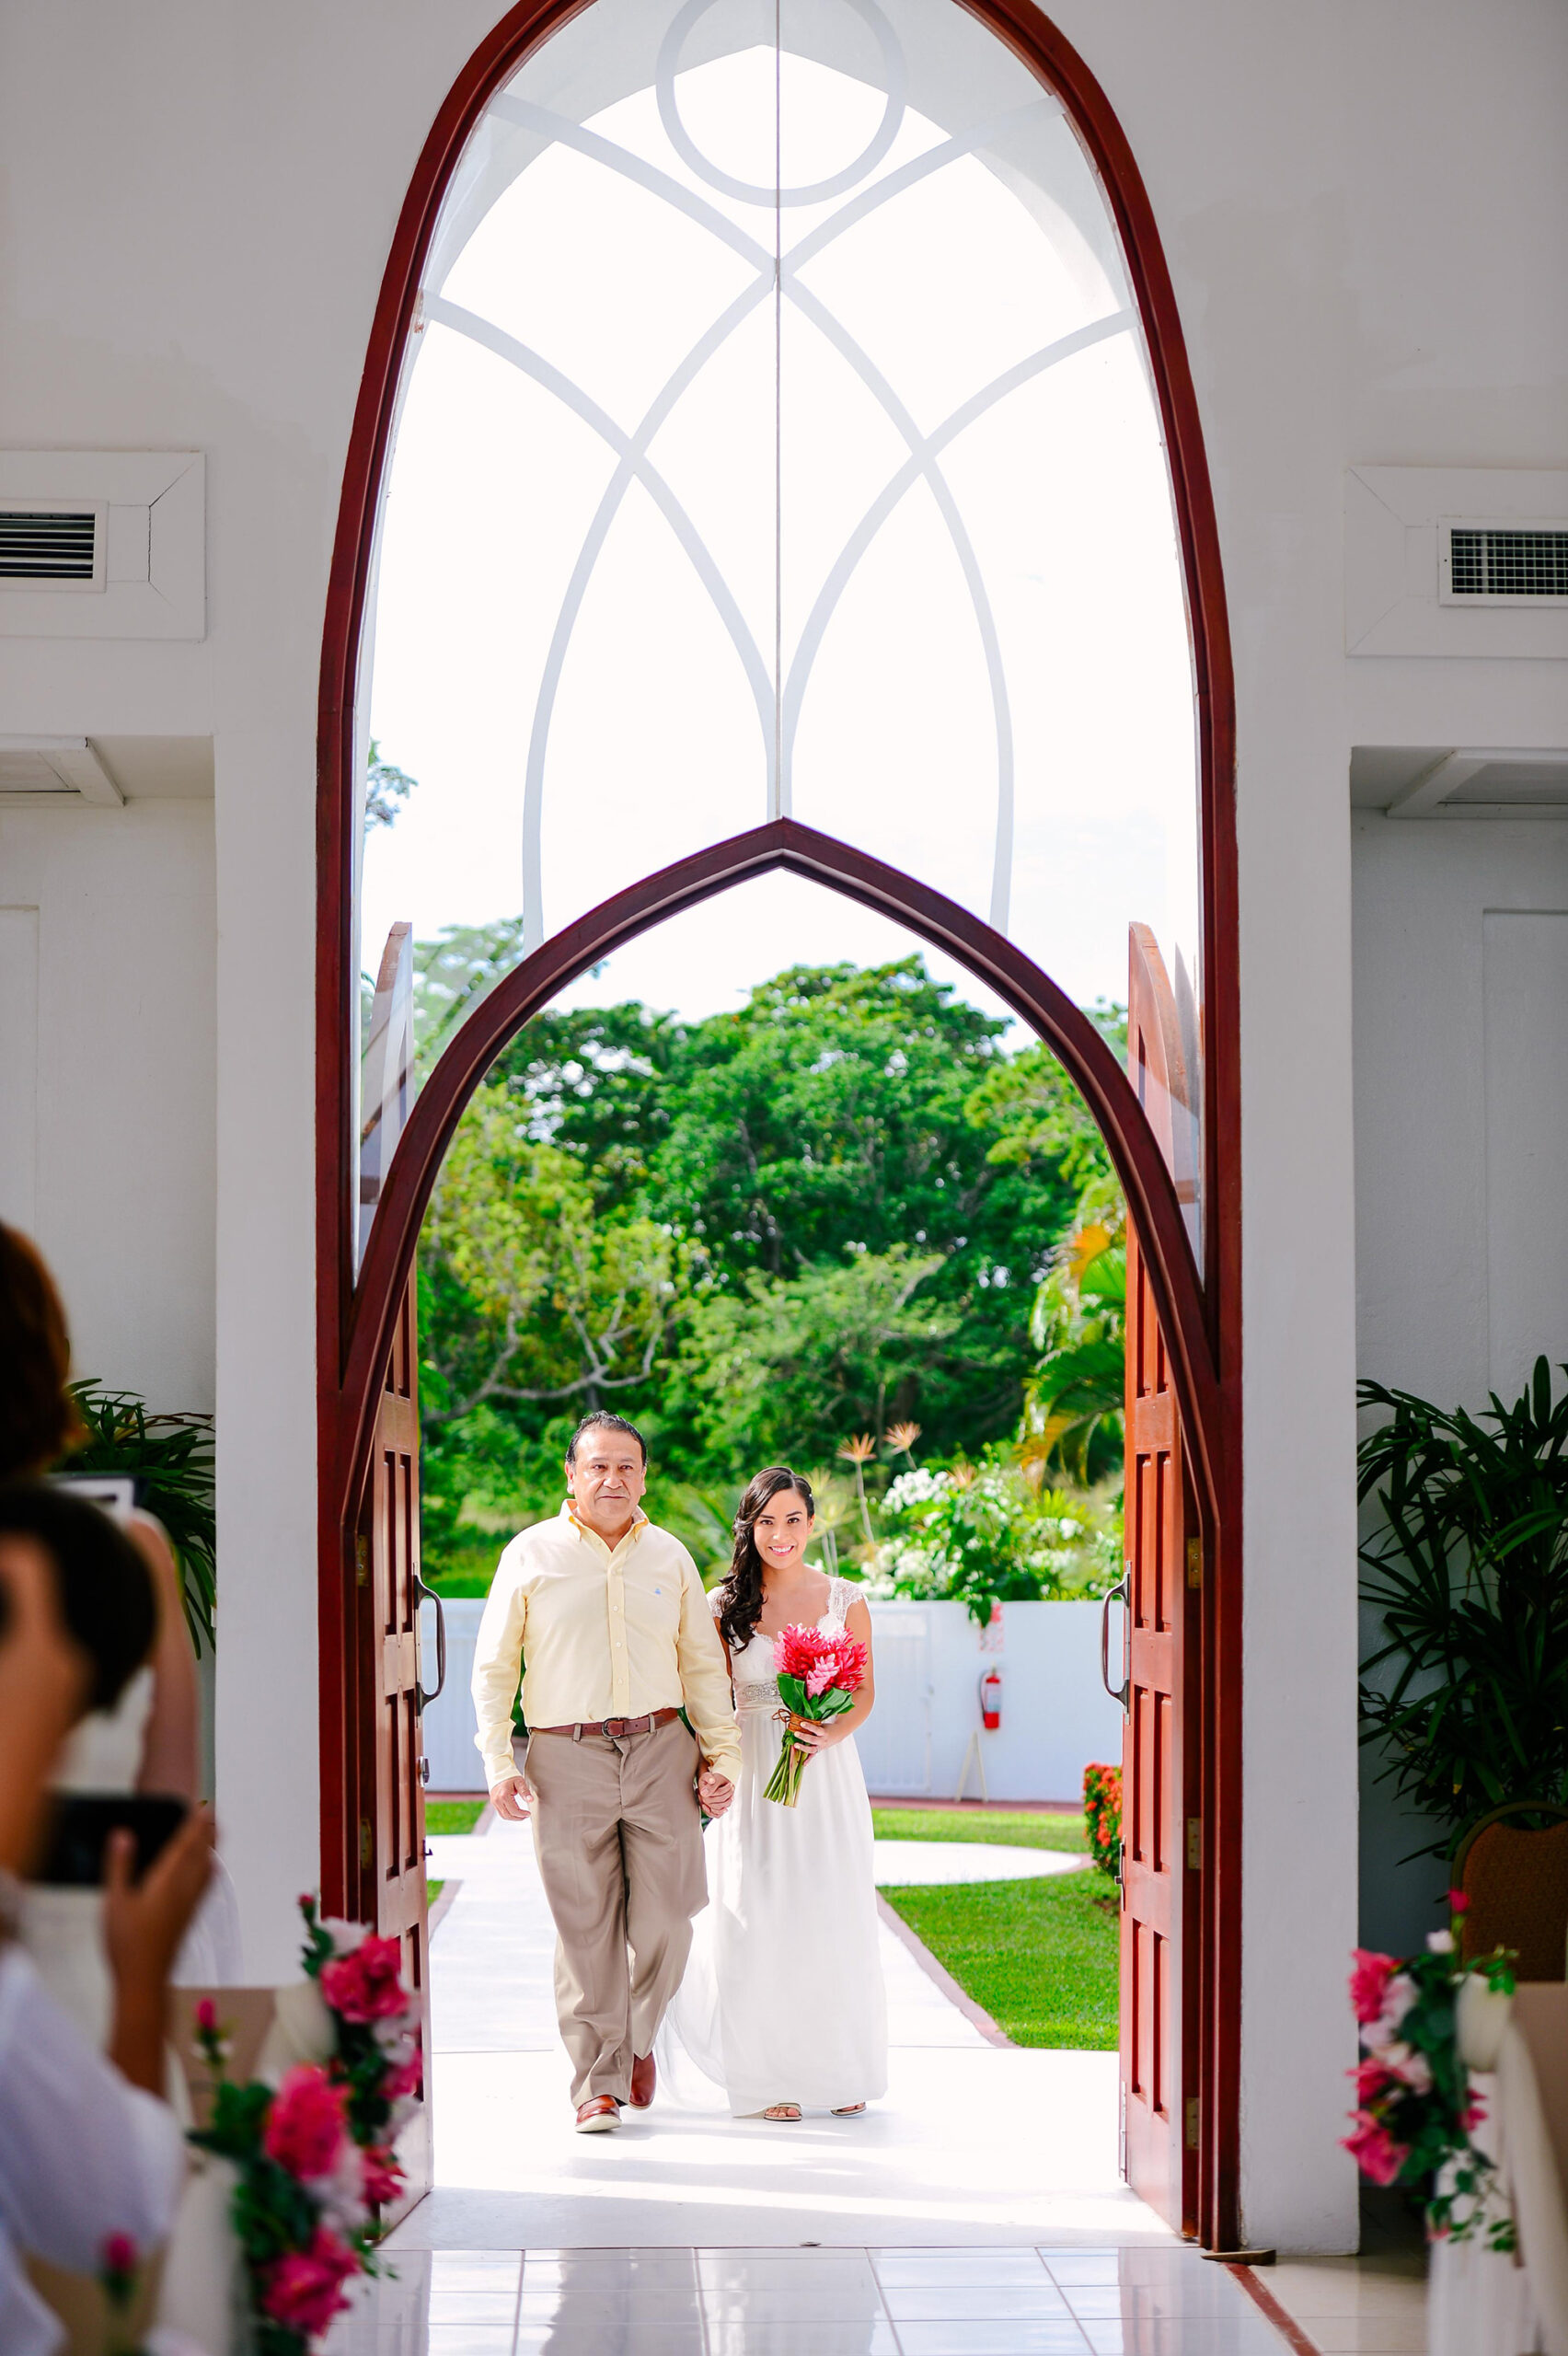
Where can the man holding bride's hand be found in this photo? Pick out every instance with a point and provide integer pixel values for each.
(606, 1616)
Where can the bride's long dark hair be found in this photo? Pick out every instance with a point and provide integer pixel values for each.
(739, 1598)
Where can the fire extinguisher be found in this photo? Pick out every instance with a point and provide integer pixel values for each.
(991, 1699)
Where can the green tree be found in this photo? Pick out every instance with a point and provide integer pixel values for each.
(778, 1368)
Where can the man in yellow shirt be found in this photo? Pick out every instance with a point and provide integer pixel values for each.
(607, 1617)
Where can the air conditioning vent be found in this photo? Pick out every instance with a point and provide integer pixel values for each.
(1503, 564)
(49, 544)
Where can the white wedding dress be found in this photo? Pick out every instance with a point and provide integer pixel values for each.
(783, 1998)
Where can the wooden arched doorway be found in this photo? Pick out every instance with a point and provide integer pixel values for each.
(369, 1825)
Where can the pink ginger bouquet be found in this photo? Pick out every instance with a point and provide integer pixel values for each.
(819, 1677)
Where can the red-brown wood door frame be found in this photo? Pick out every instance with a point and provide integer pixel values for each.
(1202, 1319)
(1159, 2042)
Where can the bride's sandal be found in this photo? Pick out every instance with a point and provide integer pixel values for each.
(783, 2114)
(850, 2110)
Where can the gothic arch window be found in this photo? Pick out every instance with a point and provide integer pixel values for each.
(776, 436)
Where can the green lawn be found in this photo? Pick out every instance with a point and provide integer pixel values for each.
(433, 1892)
(1041, 1957)
(453, 1816)
(1024, 1830)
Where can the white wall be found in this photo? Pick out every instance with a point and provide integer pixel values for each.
(1056, 1716)
(204, 278)
(1461, 1095)
(108, 1071)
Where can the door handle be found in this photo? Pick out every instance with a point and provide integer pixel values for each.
(1118, 1692)
(428, 1595)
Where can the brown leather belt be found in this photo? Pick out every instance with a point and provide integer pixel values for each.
(614, 1728)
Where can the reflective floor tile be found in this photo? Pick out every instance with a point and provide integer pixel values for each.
(1211, 2293)
(535, 2339)
(473, 2307)
(848, 2279)
(995, 2267)
(975, 2302)
(611, 2303)
(807, 2304)
(869, 2338)
(1023, 2339)
(1187, 2336)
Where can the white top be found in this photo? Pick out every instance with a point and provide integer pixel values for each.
(82, 2154)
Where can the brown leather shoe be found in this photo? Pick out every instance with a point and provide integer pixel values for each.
(643, 2075)
(597, 2116)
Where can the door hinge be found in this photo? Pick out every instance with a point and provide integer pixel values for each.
(1194, 1562)
(361, 1562)
(1194, 1844)
(367, 1841)
(1192, 2122)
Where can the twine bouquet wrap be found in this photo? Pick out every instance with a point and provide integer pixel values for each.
(819, 1676)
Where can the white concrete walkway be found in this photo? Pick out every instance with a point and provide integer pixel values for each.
(974, 2143)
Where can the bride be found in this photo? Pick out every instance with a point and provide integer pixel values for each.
(782, 2004)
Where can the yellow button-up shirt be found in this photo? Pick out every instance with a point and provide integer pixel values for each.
(603, 1634)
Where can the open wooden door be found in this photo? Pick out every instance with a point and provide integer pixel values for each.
(1161, 1826)
(392, 1765)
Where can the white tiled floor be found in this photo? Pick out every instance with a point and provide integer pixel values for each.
(974, 2143)
(892, 2301)
(976, 2212)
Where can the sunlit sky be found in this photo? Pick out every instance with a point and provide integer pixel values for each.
(658, 735)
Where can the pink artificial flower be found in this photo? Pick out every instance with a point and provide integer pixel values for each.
(1458, 1902)
(1373, 2078)
(120, 2255)
(406, 2079)
(383, 2177)
(207, 2017)
(304, 2291)
(1398, 1995)
(1374, 2151)
(1472, 2114)
(307, 2123)
(368, 1984)
(1407, 2066)
(1369, 1981)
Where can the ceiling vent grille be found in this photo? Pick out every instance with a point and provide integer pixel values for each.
(1504, 564)
(49, 544)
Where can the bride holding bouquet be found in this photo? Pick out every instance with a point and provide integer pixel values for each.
(782, 2004)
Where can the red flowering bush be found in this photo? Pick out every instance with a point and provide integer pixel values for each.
(1414, 2108)
(1102, 1817)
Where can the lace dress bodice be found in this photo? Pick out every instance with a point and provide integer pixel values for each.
(756, 1687)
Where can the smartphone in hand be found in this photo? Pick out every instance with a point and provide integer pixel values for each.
(80, 1825)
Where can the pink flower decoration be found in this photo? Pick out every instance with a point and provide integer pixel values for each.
(406, 2079)
(383, 2177)
(120, 2255)
(304, 2291)
(207, 2017)
(1368, 1983)
(368, 1984)
(307, 2123)
(1458, 1902)
(1374, 2151)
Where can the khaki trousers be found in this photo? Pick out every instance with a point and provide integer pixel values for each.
(619, 1842)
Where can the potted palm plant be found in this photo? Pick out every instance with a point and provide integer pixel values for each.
(1467, 1569)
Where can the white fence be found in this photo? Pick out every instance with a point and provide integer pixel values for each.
(1056, 1716)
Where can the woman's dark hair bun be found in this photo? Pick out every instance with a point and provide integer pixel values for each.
(106, 1590)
